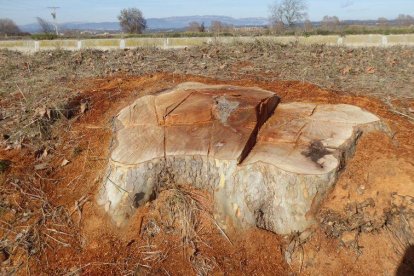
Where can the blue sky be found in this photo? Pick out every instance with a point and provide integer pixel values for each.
(25, 11)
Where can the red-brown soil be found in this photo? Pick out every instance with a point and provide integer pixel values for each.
(383, 164)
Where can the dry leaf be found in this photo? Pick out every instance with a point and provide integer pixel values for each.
(44, 154)
(83, 107)
(41, 154)
(40, 112)
(346, 70)
(41, 166)
(65, 162)
(370, 70)
(49, 113)
(393, 62)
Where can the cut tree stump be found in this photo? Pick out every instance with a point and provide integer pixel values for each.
(267, 164)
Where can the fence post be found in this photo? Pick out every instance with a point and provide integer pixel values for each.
(36, 46)
(166, 43)
(384, 41)
(340, 41)
(79, 44)
(122, 44)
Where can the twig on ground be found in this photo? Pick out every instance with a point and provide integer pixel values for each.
(21, 92)
(78, 206)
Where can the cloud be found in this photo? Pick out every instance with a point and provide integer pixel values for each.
(346, 4)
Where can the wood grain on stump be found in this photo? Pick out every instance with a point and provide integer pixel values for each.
(268, 164)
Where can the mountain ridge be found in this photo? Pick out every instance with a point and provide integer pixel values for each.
(173, 22)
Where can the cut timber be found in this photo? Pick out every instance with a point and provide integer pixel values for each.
(268, 165)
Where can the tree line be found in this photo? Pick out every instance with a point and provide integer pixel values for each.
(283, 15)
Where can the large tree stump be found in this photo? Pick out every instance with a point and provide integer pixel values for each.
(268, 164)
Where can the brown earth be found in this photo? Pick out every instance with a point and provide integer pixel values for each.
(50, 222)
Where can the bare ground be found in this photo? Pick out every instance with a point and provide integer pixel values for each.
(55, 122)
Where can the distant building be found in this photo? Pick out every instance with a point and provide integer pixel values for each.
(250, 28)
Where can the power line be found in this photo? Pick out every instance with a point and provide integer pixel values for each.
(54, 15)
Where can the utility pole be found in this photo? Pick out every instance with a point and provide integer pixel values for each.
(53, 13)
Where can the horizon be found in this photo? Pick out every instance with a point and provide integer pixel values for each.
(24, 12)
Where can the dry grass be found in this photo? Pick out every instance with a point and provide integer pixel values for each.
(49, 80)
(34, 227)
(186, 213)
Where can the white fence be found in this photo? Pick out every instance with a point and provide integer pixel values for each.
(168, 43)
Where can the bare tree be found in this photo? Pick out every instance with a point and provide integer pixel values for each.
(405, 19)
(196, 27)
(45, 26)
(219, 27)
(278, 27)
(132, 21)
(288, 11)
(8, 27)
(216, 26)
(307, 26)
(382, 21)
(330, 23)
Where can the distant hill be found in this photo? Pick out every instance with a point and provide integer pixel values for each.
(180, 22)
(168, 23)
(183, 21)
